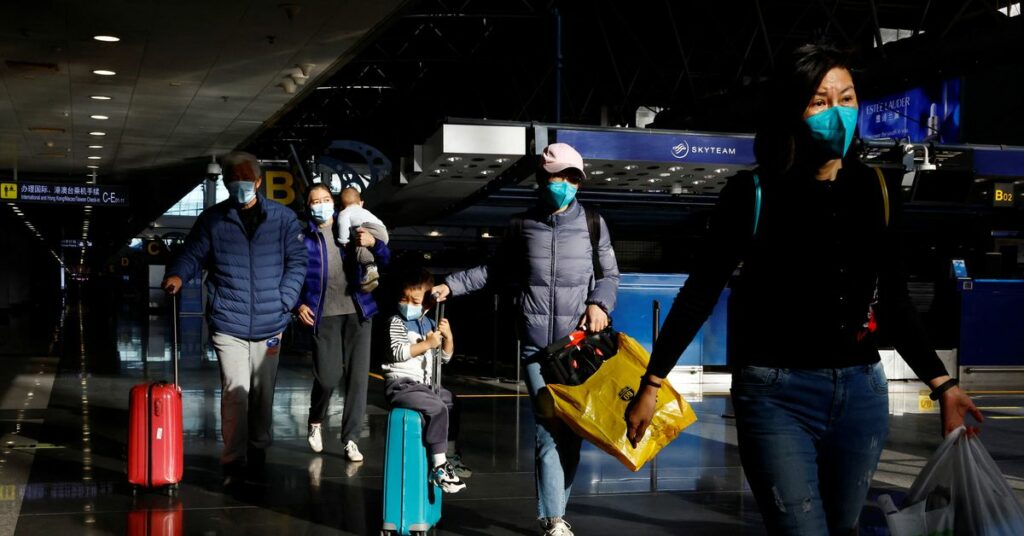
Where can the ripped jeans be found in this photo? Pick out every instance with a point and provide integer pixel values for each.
(809, 442)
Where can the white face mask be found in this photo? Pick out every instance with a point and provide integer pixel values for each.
(242, 192)
(322, 212)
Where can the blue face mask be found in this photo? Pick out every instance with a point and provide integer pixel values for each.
(410, 311)
(322, 212)
(560, 194)
(241, 192)
(833, 129)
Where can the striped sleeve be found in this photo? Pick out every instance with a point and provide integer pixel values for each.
(398, 341)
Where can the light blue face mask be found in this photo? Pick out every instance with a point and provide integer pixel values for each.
(560, 194)
(242, 192)
(322, 212)
(833, 129)
(410, 311)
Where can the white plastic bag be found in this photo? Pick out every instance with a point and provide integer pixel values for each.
(960, 491)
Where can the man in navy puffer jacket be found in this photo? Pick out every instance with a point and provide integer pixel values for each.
(255, 261)
(551, 260)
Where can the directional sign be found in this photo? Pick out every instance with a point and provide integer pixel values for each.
(64, 194)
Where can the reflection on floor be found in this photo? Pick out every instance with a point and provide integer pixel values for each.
(62, 463)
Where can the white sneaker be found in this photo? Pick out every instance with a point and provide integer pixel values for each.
(555, 527)
(315, 438)
(352, 452)
(444, 477)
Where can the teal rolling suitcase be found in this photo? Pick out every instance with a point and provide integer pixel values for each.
(412, 505)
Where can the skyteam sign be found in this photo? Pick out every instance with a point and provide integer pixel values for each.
(661, 146)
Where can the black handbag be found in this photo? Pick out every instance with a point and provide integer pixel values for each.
(576, 357)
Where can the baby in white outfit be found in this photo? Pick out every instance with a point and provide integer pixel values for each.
(354, 216)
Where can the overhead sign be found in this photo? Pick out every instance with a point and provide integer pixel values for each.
(75, 244)
(64, 194)
(920, 114)
(660, 146)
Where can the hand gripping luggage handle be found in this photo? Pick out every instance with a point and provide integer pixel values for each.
(438, 316)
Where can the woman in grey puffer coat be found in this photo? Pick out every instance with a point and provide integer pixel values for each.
(550, 258)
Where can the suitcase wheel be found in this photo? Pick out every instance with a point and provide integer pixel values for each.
(172, 490)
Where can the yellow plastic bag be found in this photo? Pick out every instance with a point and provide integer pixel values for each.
(596, 409)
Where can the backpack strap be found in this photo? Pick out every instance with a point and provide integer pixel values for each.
(757, 202)
(885, 194)
(594, 229)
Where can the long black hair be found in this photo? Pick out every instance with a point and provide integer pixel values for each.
(783, 138)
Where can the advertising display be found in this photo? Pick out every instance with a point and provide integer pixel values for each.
(920, 114)
(654, 146)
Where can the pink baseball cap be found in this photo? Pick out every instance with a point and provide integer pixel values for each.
(561, 156)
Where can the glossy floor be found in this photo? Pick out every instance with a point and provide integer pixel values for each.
(63, 420)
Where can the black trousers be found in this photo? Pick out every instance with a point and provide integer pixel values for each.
(341, 359)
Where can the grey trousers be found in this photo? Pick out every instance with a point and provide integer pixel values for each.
(378, 232)
(341, 358)
(248, 372)
(440, 412)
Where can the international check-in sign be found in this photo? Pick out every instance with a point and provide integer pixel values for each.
(64, 194)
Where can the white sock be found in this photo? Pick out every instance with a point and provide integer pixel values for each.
(439, 459)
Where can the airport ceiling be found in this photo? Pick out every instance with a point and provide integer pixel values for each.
(196, 77)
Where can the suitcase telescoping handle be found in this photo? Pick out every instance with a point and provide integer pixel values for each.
(174, 335)
(438, 316)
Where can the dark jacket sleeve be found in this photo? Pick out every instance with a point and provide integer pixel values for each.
(189, 262)
(295, 259)
(730, 231)
(897, 316)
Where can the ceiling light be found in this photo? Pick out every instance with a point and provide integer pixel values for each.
(486, 172)
(94, 157)
(674, 169)
(103, 72)
(722, 170)
(630, 167)
(99, 97)
(92, 167)
(485, 234)
(652, 181)
(454, 158)
(435, 232)
(106, 38)
(97, 133)
(664, 174)
(95, 146)
(100, 117)
(597, 172)
(501, 160)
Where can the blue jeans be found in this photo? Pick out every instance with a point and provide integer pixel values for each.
(557, 454)
(809, 443)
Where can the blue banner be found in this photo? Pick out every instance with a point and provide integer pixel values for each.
(920, 114)
(638, 145)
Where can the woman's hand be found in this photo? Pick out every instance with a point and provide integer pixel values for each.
(594, 319)
(306, 315)
(955, 405)
(441, 292)
(364, 238)
(639, 413)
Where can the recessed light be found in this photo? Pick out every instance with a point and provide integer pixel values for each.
(97, 133)
(434, 233)
(629, 167)
(95, 146)
(99, 97)
(597, 172)
(106, 38)
(103, 72)
(99, 117)
(94, 157)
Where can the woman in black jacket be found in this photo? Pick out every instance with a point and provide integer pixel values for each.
(817, 237)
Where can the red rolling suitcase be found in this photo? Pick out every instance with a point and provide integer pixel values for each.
(155, 446)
